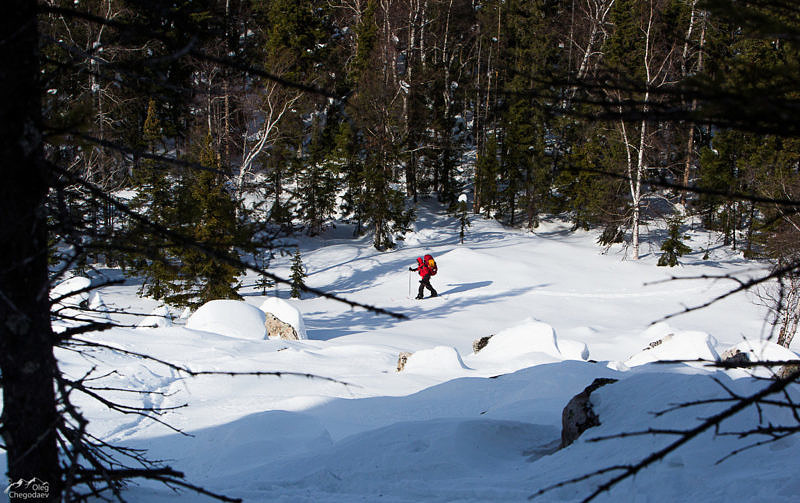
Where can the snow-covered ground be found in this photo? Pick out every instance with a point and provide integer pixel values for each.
(453, 425)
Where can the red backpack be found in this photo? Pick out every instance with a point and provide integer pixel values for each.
(431, 264)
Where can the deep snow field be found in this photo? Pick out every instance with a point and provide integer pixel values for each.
(453, 426)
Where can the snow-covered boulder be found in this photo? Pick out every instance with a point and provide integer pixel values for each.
(232, 318)
(72, 303)
(689, 345)
(63, 290)
(565, 348)
(441, 359)
(159, 317)
(98, 310)
(283, 311)
(759, 351)
(528, 337)
(762, 350)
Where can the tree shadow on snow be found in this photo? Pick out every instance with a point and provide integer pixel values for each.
(463, 287)
(356, 321)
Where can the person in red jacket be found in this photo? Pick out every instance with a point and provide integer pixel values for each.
(425, 272)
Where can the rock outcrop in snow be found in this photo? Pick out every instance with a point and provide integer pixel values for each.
(480, 343)
(232, 318)
(734, 357)
(284, 321)
(578, 416)
(278, 329)
(402, 359)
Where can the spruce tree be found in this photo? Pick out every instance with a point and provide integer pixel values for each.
(376, 117)
(487, 170)
(196, 204)
(720, 172)
(590, 198)
(298, 275)
(346, 161)
(673, 247)
(210, 217)
(263, 282)
(317, 180)
(153, 258)
(463, 217)
(531, 53)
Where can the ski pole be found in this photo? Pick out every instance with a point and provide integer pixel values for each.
(409, 283)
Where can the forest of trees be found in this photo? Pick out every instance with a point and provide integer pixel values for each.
(302, 112)
(180, 139)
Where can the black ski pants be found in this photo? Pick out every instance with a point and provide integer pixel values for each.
(424, 283)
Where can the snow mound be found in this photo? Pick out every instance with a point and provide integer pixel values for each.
(64, 289)
(763, 350)
(760, 351)
(529, 337)
(573, 350)
(232, 318)
(441, 359)
(159, 317)
(98, 307)
(287, 313)
(689, 345)
(73, 308)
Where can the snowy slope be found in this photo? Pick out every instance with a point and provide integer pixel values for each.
(453, 426)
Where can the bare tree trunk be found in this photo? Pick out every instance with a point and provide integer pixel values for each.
(26, 341)
(411, 45)
(597, 12)
(690, 142)
(635, 178)
(789, 309)
(477, 131)
(226, 89)
(636, 185)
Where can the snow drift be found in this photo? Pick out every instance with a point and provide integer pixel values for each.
(233, 318)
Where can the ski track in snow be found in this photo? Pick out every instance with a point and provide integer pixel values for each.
(619, 295)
